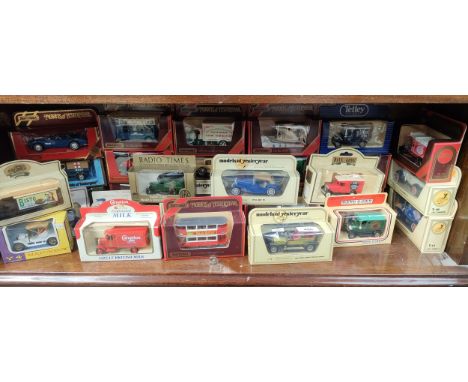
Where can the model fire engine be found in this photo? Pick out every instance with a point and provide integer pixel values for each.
(202, 232)
(132, 238)
(344, 184)
(291, 237)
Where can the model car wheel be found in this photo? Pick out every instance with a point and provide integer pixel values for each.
(310, 248)
(99, 251)
(74, 145)
(81, 177)
(222, 143)
(38, 147)
(148, 191)
(52, 241)
(413, 227)
(377, 234)
(362, 144)
(271, 191)
(134, 250)
(336, 143)
(235, 191)
(202, 172)
(148, 139)
(415, 189)
(18, 247)
(273, 249)
(351, 235)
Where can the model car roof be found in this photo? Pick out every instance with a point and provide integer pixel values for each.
(348, 177)
(206, 220)
(369, 215)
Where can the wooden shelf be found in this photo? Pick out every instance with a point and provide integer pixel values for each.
(397, 264)
(229, 99)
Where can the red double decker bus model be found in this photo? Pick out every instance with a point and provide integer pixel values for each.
(202, 232)
(115, 239)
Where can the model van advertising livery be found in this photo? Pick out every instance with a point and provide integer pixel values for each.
(289, 235)
(119, 229)
(259, 179)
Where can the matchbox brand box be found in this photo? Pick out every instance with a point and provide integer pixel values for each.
(259, 179)
(32, 189)
(207, 130)
(430, 150)
(119, 229)
(365, 127)
(118, 163)
(138, 131)
(428, 233)
(360, 219)
(85, 173)
(155, 177)
(289, 235)
(203, 227)
(341, 172)
(44, 236)
(283, 129)
(430, 199)
(60, 134)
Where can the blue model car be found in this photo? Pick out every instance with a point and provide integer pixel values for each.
(406, 213)
(256, 184)
(73, 142)
(137, 133)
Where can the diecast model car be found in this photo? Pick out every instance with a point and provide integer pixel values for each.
(365, 224)
(406, 213)
(260, 183)
(37, 234)
(73, 142)
(402, 178)
(137, 133)
(344, 184)
(167, 183)
(292, 237)
(353, 135)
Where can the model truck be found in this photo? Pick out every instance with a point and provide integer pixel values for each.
(210, 134)
(415, 146)
(353, 134)
(115, 239)
(292, 237)
(167, 183)
(365, 224)
(137, 132)
(77, 170)
(344, 184)
(291, 133)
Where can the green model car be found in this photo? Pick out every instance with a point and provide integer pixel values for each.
(168, 183)
(365, 224)
(292, 237)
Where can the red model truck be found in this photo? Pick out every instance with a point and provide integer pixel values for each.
(344, 184)
(132, 238)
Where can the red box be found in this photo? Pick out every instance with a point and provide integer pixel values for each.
(430, 150)
(137, 131)
(203, 227)
(60, 134)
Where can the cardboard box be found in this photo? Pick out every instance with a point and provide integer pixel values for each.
(430, 150)
(85, 173)
(118, 163)
(119, 229)
(31, 189)
(138, 131)
(51, 135)
(358, 220)
(203, 176)
(364, 127)
(155, 177)
(289, 235)
(259, 179)
(203, 227)
(341, 172)
(430, 199)
(43, 236)
(428, 233)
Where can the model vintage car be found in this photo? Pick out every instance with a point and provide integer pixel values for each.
(292, 237)
(291, 133)
(415, 146)
(36, 234)
(344, 184)
(137, 133)
(77, 170)
(365, 224)
(72, 141)
(115, 239)
(406, 213)
(169, 183)
(403, 179)
(353, 134)
(256, 183)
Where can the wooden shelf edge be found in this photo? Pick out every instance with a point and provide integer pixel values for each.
(227, 99)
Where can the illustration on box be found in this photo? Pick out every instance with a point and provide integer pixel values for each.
(85, 173)
(361, 219)
(119, 229)
(31, 189)
(45, 236)
(203, 226)
(153, 177)
(428, 198)
(259, 179)
(430, 150)
(288, 235)
(341, 172)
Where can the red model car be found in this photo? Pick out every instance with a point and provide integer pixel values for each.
(132, 238)
(344, 184)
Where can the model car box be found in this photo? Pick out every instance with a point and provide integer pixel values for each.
(283, 129)
(119, 229)
(137, 131)
(30, 189)
(428, 198)
(50, 135)
(358, 220)
(207, 130)
(428, 233)
(364, 127)
(155, 177)
(203, 227)
(85, 173)
(203, 176)
(43, 236)
(117, 164)
(341, 172)
(259, 179)
(430, 150)
(289, 235)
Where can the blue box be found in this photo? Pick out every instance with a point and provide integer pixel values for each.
(361, 126)
(85, 173)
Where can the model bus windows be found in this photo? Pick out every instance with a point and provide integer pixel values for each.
(202, 232)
